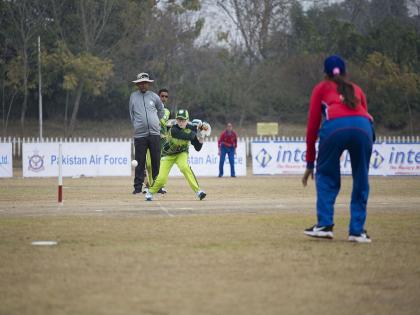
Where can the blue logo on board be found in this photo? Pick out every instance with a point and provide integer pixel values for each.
(263, 158)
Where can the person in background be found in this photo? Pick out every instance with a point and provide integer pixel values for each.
(146, 109)
(346, 125)
(148, 177)
(227, 143)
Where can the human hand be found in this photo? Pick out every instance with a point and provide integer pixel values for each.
(308, 172)
(205, 129)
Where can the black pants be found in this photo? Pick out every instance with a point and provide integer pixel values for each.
(141, 145)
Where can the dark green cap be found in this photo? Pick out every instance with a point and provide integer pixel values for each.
(182, 114)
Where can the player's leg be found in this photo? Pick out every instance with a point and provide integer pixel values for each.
(140, 145)
(149, 169)
(328, 177)
(154, 147)
(222, 160)
(165, 167)
(231, 156)
(360, 151)
(184, 167)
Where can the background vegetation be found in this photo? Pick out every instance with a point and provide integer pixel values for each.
(259, 63)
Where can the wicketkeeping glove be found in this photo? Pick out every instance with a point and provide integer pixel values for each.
(205, 129)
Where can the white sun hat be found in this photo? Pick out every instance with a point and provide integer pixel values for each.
(142, 77)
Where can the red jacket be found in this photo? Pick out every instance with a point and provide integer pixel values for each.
(228, 139)
(325, 100)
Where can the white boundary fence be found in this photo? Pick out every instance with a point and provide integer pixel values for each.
(17, 141)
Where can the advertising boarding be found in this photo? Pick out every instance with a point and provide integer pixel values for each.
(288, 158)
(78, 159)
(6, 160)
(206, 161)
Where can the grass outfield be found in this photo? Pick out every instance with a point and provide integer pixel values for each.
(240, 251)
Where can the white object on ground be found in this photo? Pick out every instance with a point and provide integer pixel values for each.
(44, 243)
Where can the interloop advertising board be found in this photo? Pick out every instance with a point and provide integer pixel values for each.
(6, 160)
(288, 158)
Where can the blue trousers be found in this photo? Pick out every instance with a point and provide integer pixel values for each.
(230, 151)
(354, 134)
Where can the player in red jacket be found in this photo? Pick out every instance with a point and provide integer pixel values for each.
(227, 143)
(346, 125)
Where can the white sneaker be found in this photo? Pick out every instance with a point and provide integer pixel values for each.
(362, 238)
(148, 196)
(201, 194)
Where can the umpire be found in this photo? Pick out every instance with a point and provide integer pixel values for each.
(146, 109)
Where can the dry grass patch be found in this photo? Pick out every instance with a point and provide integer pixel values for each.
(242, 251)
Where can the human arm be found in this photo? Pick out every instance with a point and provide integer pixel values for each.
(314, 121)
(308, 172)
(220, 140)
(130, 109)
(235, 140)
(181, 134)
(159, 107)
(197, 143)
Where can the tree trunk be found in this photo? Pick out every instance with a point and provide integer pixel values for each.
(410, 118)
(79, 92)
(8, 112)
(25, 90)
(66, 111)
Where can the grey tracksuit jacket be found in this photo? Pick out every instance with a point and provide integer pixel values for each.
(145, 111)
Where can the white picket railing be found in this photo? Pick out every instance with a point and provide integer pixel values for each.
(17, 141)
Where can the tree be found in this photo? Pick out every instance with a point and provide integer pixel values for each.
(25, 18)
(256, 21)
(390, 87)
(83, 71)
(79, 73)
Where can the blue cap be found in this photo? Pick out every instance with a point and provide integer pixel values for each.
(334, 65)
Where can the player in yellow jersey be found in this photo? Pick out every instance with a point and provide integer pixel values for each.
(175, 151)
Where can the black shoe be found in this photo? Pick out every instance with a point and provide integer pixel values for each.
(320, 231)
(136, 191)
(233, 176)
(162, 191)
(201, 195)
(220, 176)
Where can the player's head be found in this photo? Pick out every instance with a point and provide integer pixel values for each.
(164, 95)
(334, 65)
(182, 117)
(143, 82)
(229, 126)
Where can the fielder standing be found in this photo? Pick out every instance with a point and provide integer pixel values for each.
(348, 126)
(227, 143)
(146, 109)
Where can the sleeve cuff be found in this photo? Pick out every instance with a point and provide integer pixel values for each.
(310, 165)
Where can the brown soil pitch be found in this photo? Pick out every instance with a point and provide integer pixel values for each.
(240, 251)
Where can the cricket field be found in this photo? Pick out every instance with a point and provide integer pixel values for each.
(240, 251)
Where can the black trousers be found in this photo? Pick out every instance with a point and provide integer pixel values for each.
(141, 145)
